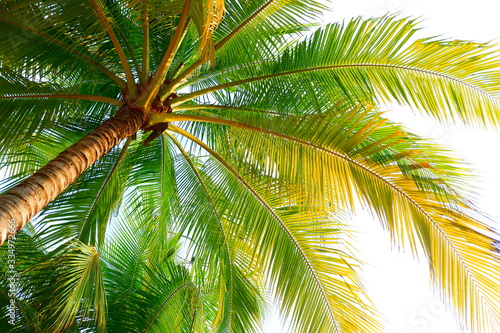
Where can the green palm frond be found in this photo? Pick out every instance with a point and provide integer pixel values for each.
(28, 252)
(152, 185)
(376, 60)
(261, 27)
(237, 299)
(264, 26)
(152, 293)
(46, 31)
(78, 297)
(30, 107)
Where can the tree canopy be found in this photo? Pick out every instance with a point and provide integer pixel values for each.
(216, 151)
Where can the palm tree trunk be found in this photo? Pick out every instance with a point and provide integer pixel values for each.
(21, 203)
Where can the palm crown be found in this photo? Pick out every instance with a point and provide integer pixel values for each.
(263, 136)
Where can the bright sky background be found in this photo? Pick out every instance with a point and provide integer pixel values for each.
(398, 285)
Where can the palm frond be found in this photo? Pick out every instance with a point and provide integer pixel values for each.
(233, 291)
(41, 40)
(79, 297)
(263, 27)
(312, 306)
(207, 15)
(332, 161)
(152, 292)
(371, 60)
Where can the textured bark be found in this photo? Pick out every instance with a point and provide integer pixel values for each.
(21, 203)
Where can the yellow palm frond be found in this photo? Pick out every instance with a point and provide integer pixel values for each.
(207, 15)
(333, 159)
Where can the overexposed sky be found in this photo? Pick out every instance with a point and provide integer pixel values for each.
(398, 285)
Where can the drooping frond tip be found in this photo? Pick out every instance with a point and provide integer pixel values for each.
(213, 11)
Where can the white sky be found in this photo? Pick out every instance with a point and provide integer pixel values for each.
(398, 285)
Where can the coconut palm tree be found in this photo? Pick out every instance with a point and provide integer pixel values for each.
(184, 162)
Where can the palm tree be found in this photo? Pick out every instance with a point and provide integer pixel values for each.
(265, 133)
